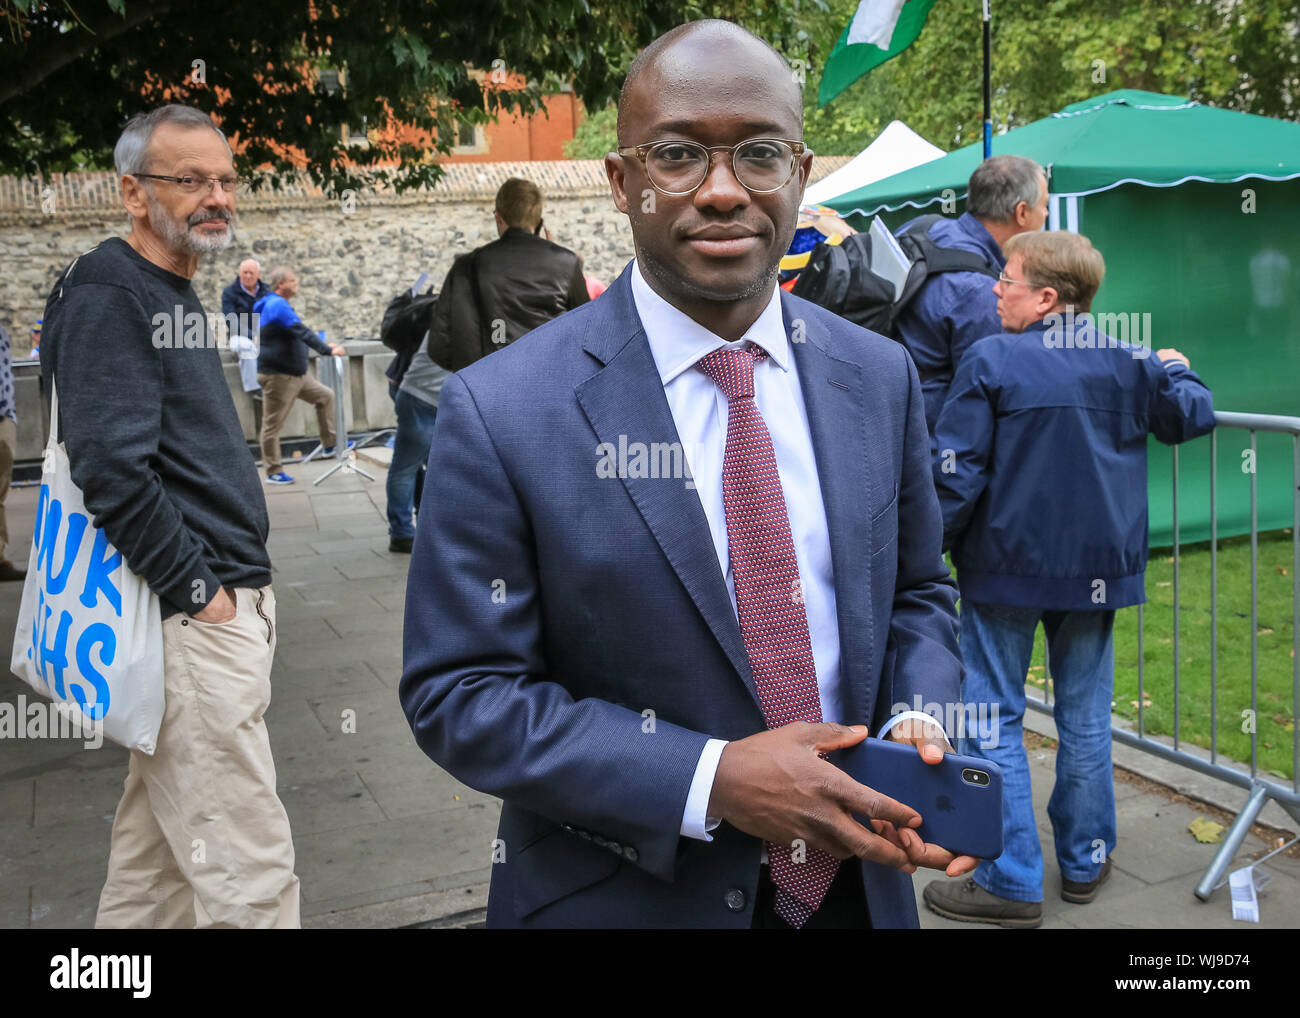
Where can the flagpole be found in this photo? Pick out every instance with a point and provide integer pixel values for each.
(988, 88)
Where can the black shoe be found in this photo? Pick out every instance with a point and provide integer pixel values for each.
(1080, 892)
(8, 573)
(400, 544)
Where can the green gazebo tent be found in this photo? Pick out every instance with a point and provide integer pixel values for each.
(1197, 213)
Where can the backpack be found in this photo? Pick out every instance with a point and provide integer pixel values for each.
(839, 277)
(406, 320)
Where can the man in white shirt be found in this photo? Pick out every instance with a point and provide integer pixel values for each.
(689, 544)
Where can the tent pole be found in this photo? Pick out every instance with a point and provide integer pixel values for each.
(988, 88)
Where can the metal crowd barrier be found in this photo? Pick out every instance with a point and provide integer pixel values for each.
(1260, 789)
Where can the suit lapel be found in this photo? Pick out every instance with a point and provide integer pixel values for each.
(625, 398)
(834, 394)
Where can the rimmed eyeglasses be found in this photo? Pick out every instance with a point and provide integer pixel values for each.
(192, 185)
(762, 165)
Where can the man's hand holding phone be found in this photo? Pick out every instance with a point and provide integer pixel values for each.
(776, 786)
(931, 742)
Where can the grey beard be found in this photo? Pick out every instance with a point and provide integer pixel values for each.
(179, 237)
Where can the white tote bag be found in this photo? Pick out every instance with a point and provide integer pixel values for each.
(89, 630)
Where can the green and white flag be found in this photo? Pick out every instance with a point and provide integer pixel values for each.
(880, 30)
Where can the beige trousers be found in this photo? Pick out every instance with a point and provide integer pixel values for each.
(278, 394)
(8, 443)
(200, 837)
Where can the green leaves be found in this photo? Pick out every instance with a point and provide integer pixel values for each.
(1045, 56)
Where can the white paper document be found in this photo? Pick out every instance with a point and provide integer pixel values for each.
(887, 258)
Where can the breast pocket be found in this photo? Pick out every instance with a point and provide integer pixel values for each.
(884, 526)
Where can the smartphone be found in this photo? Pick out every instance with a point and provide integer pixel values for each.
(960, 800)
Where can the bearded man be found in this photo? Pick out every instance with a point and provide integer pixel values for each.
(200, 837)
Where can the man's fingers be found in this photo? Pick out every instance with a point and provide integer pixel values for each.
(867, 802)
(931, 750)
(936, 857)
(827, 736)
(879, 849)
(927, 736)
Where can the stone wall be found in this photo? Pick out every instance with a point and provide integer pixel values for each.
(351, 256)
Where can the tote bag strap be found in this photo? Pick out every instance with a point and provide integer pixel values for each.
(53, 441)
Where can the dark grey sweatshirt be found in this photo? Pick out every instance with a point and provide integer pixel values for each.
(152, 436)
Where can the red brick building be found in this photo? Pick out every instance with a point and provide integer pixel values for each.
(513, 137)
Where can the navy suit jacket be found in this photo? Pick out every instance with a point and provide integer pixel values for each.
(570, 644)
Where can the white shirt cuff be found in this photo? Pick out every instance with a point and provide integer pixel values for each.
(695, 823)
(919, 715)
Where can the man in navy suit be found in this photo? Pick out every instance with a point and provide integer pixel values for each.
(686, 542)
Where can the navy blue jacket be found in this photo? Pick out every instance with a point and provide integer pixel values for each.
(235, 300)
(951, 311)
(549, 607)
(1041, 464)
(284, 338)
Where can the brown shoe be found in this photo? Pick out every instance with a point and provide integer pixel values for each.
(8, 573)
(964, 900)
(1080, 892)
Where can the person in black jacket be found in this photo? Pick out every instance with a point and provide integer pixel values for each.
(282, 371)
(496, 293)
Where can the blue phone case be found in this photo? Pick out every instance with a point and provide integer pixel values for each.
(963, 817)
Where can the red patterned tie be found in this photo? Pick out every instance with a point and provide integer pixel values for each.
(769, 601)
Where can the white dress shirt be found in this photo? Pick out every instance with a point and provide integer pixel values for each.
(699, 410)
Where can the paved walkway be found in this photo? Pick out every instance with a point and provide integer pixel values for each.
(383, 837)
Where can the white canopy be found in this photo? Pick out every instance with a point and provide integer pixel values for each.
(896, 148)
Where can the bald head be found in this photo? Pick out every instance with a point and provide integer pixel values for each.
(249, 273)
(716, 55)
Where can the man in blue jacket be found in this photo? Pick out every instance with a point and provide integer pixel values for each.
(1042, 476)
(1007, 196)
(282, 371)
(647, 665)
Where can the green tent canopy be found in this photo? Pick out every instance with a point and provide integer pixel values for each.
(1196, 211)
(1124, 137)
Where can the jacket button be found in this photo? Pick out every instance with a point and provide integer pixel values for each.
(630, 854)
(600, 840)
(735, 899)
(615, 847)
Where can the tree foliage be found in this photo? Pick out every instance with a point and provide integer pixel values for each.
(69, 78)
(1046, 55)
(1050, 53)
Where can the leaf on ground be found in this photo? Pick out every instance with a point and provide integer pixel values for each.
(1281, 570)
(1263, 631)
(1206, 831)
(1164, 583)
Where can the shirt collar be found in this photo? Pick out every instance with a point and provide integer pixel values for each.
(677, 341)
